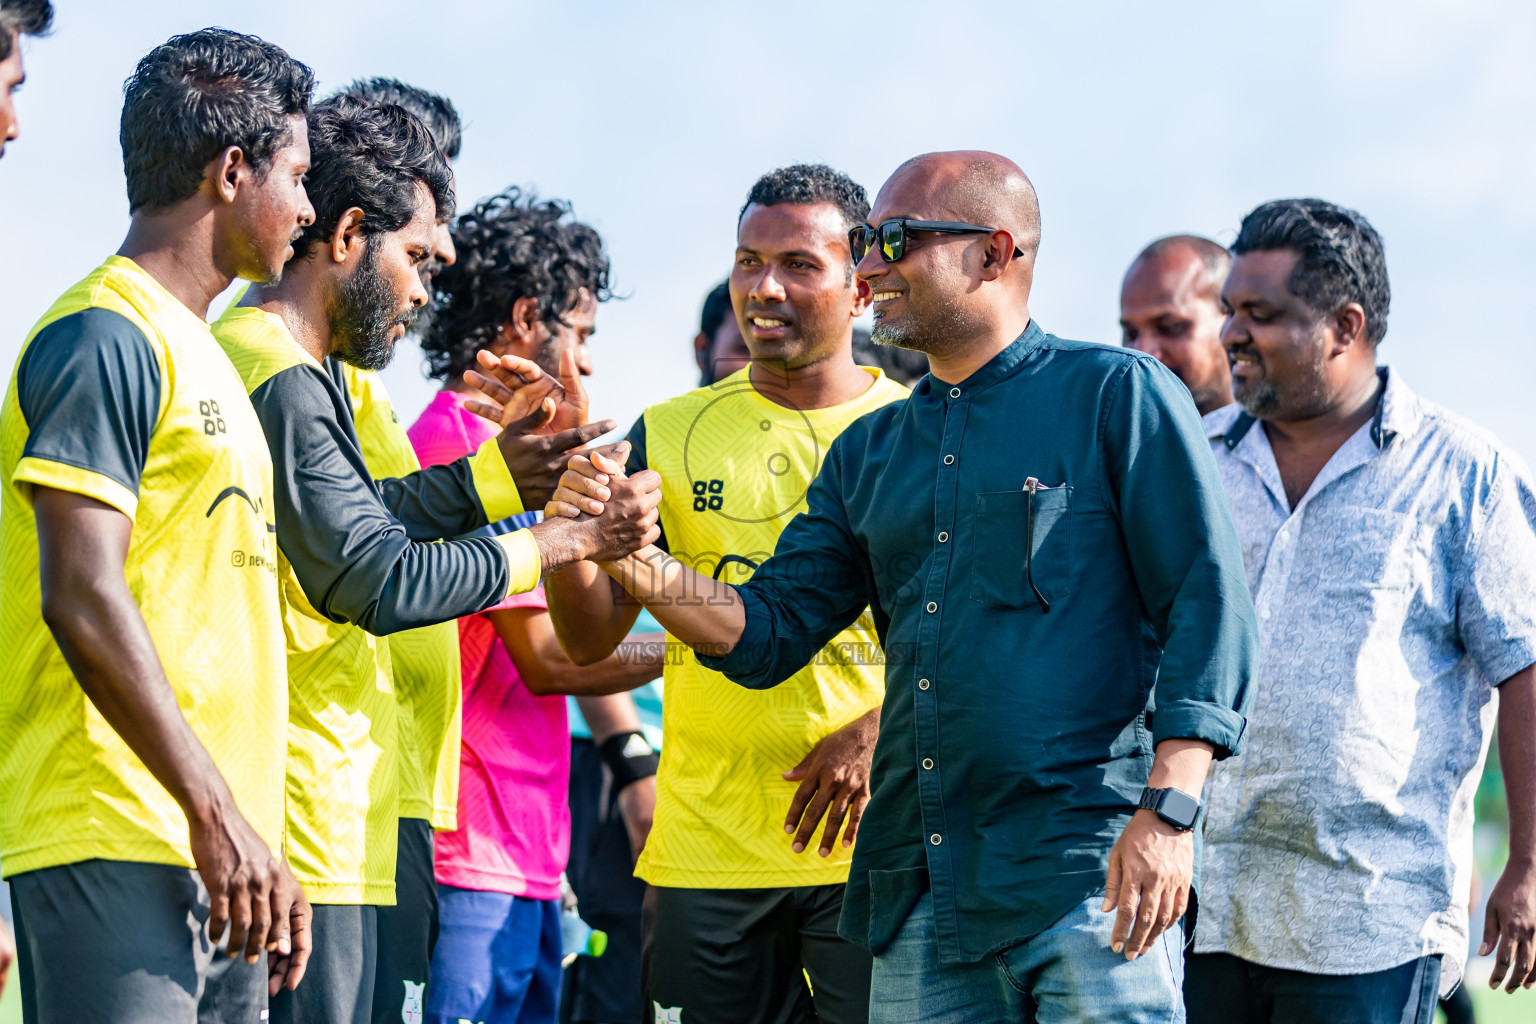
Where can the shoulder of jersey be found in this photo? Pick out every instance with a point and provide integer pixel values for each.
(258, 344)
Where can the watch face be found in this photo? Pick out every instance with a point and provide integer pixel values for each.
(1179, 809)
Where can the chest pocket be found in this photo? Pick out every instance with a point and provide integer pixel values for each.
(1021, 555)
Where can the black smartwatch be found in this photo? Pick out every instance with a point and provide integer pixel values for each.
(1174, 806)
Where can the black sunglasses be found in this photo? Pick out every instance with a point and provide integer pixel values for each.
(892, 235)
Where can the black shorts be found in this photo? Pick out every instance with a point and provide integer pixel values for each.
(602, 989)
(744, 956)
(122, 941)
(338, 983)
(407, 930)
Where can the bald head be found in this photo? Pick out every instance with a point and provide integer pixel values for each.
(1170, 308)
(976, 187)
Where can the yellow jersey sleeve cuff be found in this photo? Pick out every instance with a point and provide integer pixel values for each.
(31, 472)
(494, 483)
(523, 565)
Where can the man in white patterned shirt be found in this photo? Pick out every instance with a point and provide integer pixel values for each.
(1391, 555)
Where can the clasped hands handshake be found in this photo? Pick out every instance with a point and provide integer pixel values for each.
(544, 433)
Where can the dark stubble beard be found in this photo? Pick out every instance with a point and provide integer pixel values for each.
(935, 328)
(362, 315)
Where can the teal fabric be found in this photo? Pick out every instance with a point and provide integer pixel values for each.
(1039, 725)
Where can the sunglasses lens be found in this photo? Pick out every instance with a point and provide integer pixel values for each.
(893, 240)
(858, 241)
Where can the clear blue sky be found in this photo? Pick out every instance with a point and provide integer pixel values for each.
(1134, 120)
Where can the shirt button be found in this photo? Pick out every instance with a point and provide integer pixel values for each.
(943, 537)
(949, 460)
(927, 762)
(954, 392)
(935, 839)
(1264, 614)
(933, 607)
(922, 684)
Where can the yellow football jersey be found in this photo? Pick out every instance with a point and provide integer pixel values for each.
(121, 394)
(343, 770)
(425, 660)
(735, 467)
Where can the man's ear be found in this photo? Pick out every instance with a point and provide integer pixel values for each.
(1349, 328)
(228, 171)
(998, 254)
(863, 295)
(523, 324)
(347, 237)
(701, 352)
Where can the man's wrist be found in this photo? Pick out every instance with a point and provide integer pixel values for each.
(629, 757)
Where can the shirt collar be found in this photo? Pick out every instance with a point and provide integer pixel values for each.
(996, 368)
(1398, 413)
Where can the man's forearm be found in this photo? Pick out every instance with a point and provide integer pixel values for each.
(609, 715)
(1517, 759)
(587, 617)
(1181, 765)
(703, 613)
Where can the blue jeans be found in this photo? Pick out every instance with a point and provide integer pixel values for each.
(497, 959)
(1067, 973)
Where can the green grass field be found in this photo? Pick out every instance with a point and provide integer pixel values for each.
(1492, 1007)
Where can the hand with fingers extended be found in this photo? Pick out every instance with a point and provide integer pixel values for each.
(834, 783)
(287, 961)
(1510, 926)
(250, 889)
(543, 420)
(1151, 868)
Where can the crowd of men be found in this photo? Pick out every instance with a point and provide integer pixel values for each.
(1005, 677)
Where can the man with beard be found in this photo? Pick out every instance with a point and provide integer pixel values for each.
(424, 662)
(1041, 535)
(356, 562)
(1170, 308)
(1392, 559)
(735, 458)
(141, 696)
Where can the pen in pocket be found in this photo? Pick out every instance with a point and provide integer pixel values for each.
(1032, 486)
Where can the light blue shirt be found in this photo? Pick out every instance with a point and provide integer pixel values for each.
(1392, 600)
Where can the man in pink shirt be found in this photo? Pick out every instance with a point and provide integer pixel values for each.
(498, 950)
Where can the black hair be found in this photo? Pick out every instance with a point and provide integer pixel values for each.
(717, 306)
(510, 246)
(23, 17)
(436, 112)
(197, 94)
(1213, 256)
(1342, 258)
(806, 185)
(371, 157)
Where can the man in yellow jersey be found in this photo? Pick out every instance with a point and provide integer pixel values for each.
(354, 558)
(17, 18)
(142, 699)
(424, 661)
(739, 914)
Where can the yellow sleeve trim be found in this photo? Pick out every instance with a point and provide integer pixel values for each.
(494, 483)
(523, 566)
(64, 477)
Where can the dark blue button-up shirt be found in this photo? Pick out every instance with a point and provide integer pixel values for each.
(1053, 572)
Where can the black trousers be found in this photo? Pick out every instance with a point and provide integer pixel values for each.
(1223, 989)
(407, 930)
(743, 956)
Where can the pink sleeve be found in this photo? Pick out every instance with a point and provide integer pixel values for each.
(532, 599)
